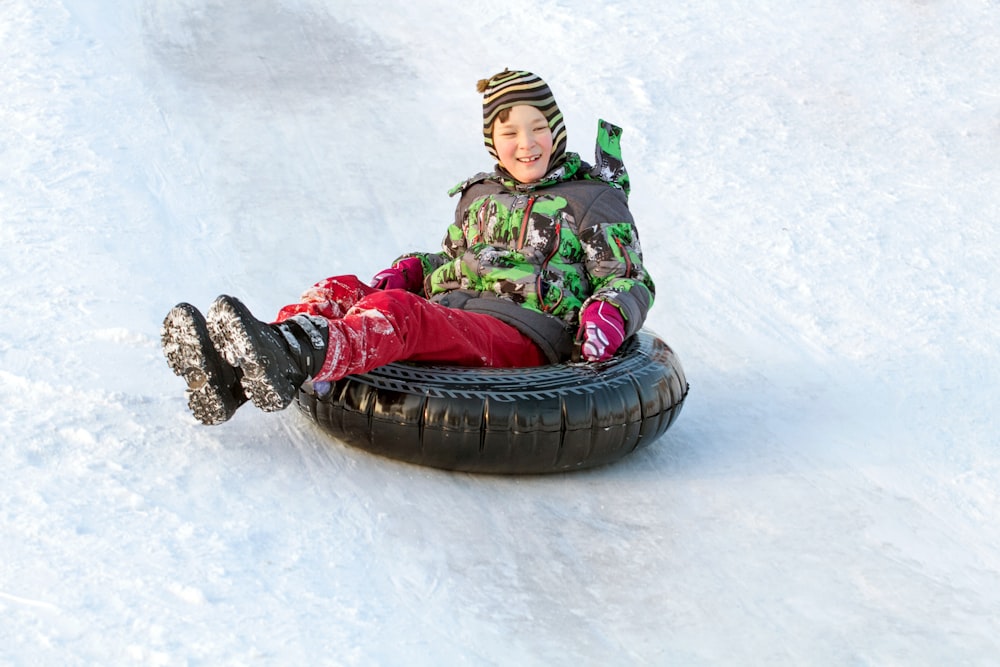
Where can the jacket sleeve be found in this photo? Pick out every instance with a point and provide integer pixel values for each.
(614, 259)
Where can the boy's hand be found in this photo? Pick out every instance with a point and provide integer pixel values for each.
(406, 274)
(602, 331)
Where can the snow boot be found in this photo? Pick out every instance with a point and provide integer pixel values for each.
(275, 358)
(214, 389)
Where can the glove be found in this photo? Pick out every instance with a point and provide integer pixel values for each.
(405, 274)
(602, 331)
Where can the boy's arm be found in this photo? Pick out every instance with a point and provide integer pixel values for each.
(614, 260)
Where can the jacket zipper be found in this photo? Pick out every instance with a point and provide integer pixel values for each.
(524, 222)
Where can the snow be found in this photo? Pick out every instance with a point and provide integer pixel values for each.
(815, 185)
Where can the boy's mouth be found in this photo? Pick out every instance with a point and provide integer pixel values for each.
(529, 160)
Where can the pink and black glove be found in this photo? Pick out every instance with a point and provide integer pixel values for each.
(602, 331)
(405, 274)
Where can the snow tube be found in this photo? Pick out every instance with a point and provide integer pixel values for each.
(507, 420)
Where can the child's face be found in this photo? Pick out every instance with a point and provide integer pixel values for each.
(523, 143)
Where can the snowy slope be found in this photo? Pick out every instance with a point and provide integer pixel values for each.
(815, 186)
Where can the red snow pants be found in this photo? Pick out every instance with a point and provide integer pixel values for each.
(371, 327)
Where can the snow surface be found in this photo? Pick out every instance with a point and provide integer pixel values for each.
(816, 188)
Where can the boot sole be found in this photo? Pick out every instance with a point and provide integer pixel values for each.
(188, 348)
(243, 346)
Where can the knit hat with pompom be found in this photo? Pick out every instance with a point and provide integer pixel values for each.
(510, 89)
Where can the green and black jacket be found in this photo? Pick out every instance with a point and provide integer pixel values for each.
(534, 255)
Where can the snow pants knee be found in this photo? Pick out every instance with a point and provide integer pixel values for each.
(370, 328)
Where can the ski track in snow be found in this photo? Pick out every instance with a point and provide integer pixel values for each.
(815, 189)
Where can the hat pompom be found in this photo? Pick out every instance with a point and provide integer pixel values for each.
(483, 84)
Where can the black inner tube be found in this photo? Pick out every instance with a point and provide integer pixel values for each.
(544, 419)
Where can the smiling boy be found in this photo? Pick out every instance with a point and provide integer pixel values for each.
(542, 258)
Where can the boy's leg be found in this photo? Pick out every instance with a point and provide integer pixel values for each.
(394, 325)
(321, 340)
(413, 329)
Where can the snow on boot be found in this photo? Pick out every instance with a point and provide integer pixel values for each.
(275, 358)
(214, 389)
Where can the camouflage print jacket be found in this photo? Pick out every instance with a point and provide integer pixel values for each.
(534, 255)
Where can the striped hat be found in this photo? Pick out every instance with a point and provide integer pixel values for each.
(510, 89)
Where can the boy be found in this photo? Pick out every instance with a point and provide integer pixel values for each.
(543, 256)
